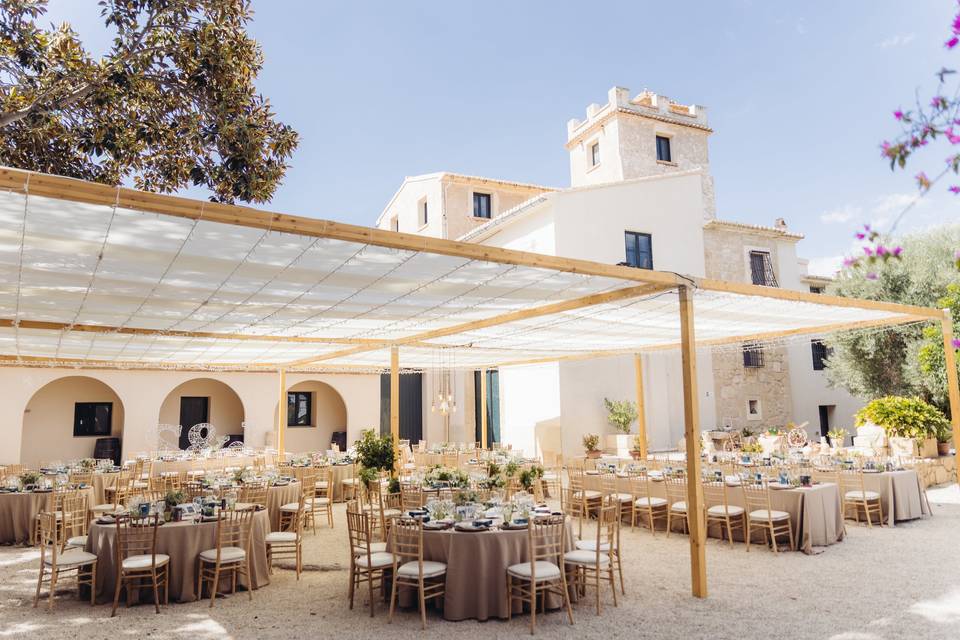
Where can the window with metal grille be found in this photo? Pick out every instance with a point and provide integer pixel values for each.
(821, 353)
(663, 149)
(752, 355)
(481, 205)
(299, 408)
(639, 249)
(594, 154)
(761, 269)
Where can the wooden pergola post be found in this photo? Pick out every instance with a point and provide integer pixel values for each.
(282, 415)
(395, 404)
(953, 387)
(483, 408)
(691, 415)
(641, 414)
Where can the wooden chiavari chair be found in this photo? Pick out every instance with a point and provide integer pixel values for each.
(411, 496)
(138, 563)
(646, 505)
(254, 493)
(615, 492)
(75, 520)
(350, 486)
(323, 497)
(718, 510)
(599, 559)
(367, 565)
(54, 564)
(590, 499)
(77, 478)
(762, 516)
(117, 494)
(676, 488)
(288, 544)
(542, 574)
(231, 554)
(411, 570)
(855, 496)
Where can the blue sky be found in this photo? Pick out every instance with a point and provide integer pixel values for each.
(800, 95)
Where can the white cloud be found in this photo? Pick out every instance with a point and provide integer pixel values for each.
(898, 40)
(846, 213)
(826, 266)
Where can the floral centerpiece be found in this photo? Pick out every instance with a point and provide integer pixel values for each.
(591, 444)
(30, 478)
(445, 476)
(529, 477)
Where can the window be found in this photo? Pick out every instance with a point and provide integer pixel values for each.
(423, 213)
(816, 289)
(752, 355)
(481, 205)
(821, 353)
(663, 149)
(761, 269)
(92, 418)
(594, 154)
(299, 404)
(639, 249)
(754, 410)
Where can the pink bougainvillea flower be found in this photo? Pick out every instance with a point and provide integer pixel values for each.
(956, 343)
(954, 189)
(951, 136)
(956, 24)
(881, 250)
(871, 276)
(860, 235)
(897, 251)
(898, 114)
(849, 261)
(868, 251)
(952, 42)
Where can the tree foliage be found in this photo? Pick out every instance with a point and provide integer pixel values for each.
(173, 102)
(898, 361)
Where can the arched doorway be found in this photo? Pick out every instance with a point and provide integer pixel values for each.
(64, 418)
(315, 411)
(203, 400)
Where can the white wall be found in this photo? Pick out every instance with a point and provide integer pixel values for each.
(530, 407)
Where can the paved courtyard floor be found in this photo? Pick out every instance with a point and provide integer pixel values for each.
(879, 584)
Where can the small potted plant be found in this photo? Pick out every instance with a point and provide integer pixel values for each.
(636, 451)
(836, 436)
(620, 414)
(591, 444)
(944, 434)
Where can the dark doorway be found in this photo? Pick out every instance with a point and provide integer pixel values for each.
(826, 411)
(193, 410)
(411, 406)
(493, 407)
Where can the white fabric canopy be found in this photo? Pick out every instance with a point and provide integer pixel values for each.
(176, 291)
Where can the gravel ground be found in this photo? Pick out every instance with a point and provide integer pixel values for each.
(901, 582)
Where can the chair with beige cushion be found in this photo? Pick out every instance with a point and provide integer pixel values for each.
(76, 520)
(138, 563)
(597, 560)
(411, 570)
(542, 573)
(763, 517)
(368, 564)
(857, 498)
(718, 510)
(288, 544)
(231, 555)
(676, 488)
(54, 564)
(646, 506)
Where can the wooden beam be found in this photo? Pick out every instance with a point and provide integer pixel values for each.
(953, 386)
(132, 365)
(641, 409)
(135, 331)
(282, 415)
(504, 318)
(483, 408)
(395, 404)
(691, 419)
(71, 189)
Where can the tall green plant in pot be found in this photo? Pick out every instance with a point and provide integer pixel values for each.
(375, 454)
(620, 414)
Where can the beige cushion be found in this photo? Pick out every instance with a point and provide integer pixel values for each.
(73, 558)
(545, 570)
(763, 514)
(349, 481)
(679, 506)
(591, 545)
(377, 547)
(431, 569)
(621, 497)
(861, 495)
(77, 541)
(378, 560)
(729, 510)
(104, 508)
(583, 556)
(144, 561)
(650, 502)
(589, 495)
(227, 554)
(275, 537)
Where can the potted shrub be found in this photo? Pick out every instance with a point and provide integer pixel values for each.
(620, 414)
(591, 444)
(944, 433)
(911, 424)
(375, 454)
(837, 436)
(636, 450)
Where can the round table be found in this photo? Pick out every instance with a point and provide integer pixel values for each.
(476, 582)
(183, 542)
(18, 511)
(277, 496)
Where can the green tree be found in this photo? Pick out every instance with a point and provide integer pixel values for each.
(173, 102)
(898, 361)
(930, 357)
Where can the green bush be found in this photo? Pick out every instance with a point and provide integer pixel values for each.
(903, 417)
(375, 452)
(620, 413)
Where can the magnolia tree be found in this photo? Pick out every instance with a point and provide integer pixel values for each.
(173, 101)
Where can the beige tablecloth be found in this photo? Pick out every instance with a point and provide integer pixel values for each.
(101, 482)
(183, 542)
(815, 512)
(476, 583)
(338, 473)
(202, 464)
(279, 496)
(18, 512)
(901, 494)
